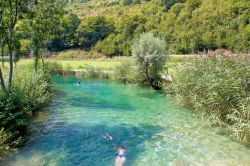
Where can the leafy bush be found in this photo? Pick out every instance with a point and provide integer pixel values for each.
(218, 87)
(150, 58)
(35, 87)
(29, 93)
(14, 116)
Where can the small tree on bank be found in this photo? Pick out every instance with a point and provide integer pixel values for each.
(150, 57)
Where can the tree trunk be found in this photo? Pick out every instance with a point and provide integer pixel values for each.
(36, 64)
(2, 54)
(11, 59)
(151, 81)
(2, 81)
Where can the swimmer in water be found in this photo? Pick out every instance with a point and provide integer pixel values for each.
(120, 157)
(78, 84)
(107, 136)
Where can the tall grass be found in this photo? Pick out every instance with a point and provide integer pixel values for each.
(218, 88)
(125, 72)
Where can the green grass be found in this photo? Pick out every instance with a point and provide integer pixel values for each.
(106, 64)
(74, 64)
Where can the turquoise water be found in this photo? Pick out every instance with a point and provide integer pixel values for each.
(154, 131)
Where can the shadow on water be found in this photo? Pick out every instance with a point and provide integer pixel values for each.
(84, 146)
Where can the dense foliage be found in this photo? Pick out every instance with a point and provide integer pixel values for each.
(219, 88)
(110, 27)
(188, 26)
(30, 92)
(94, 29)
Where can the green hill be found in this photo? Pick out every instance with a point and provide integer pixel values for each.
(188, 26)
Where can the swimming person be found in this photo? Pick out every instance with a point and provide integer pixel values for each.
(120, 157)
(107, 136)
(78, 84)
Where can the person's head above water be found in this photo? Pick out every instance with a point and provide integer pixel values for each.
(121, 149)
(78, 83)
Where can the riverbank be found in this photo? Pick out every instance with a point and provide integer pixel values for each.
(30, 92)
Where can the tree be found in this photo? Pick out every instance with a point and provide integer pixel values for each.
(45, 21)
(2, 30)
(11, 10)
(70, 24)
(67, 37)
(150, 56)
(119, 43)
(2, 40)
(94, 29)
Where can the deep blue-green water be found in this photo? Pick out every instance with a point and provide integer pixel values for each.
(154, 130)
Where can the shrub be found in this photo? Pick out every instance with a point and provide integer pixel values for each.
(150, 58)
(217, 87)
(29, 93)
(35, 87)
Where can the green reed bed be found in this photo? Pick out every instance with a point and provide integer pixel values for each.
(217, 87)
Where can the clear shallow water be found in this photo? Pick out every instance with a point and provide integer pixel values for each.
(155, 131)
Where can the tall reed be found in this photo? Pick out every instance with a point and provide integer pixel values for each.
(219, 88)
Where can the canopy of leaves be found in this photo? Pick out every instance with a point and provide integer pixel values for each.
(94, 29)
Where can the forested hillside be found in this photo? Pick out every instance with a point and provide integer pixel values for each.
(188, 26)
(109, 27)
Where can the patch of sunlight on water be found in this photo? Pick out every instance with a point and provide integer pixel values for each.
(155, 131)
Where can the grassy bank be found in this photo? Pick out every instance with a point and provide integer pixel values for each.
(29, 93)
(101, 63)
(106, 64)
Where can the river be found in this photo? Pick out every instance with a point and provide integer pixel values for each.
(154, 130)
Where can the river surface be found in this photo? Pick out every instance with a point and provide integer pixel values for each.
(154, 130)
